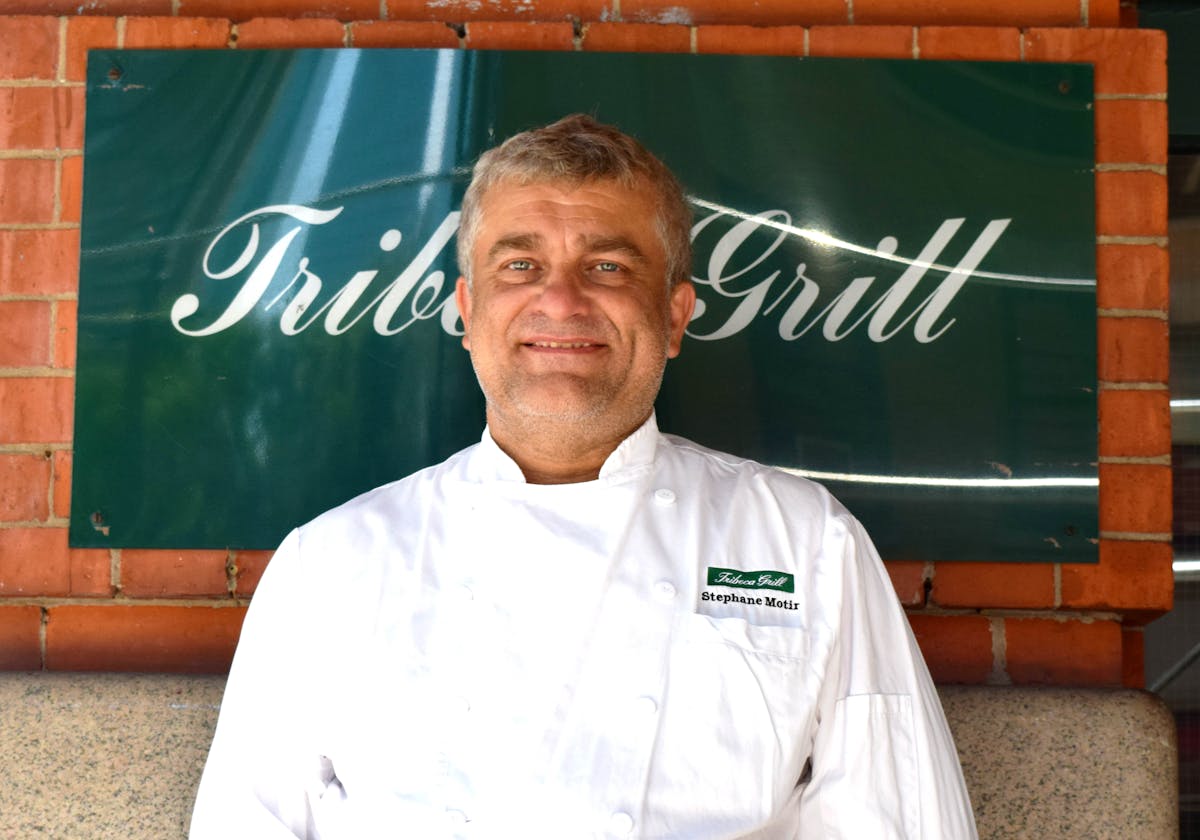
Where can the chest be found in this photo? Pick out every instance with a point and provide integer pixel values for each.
(554, 663)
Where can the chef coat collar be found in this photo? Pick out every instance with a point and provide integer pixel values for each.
(635, 451)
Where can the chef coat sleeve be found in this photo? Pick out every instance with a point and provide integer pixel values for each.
(883, 761)
(263, 773)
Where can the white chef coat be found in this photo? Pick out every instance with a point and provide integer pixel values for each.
(463, 655)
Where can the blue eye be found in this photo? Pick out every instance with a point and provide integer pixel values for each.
(608, 266)
(520, 265)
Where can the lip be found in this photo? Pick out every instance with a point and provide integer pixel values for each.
(562, 345)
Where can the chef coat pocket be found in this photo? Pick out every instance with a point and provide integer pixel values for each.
(760, 639)
(735, 729)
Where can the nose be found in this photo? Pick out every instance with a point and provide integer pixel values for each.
(564, 293)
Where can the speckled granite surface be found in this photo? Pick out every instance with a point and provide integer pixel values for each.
(1066, 763)
(102, 755)
(118, 756)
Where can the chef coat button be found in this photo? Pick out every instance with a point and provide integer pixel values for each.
(647, 705)
(455, 817)
(664, 496)
(664, 589)
(620, 823)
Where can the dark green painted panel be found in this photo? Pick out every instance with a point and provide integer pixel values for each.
(223, 190)
(1181, 22)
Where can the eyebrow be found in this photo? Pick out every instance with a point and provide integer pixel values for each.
(620, 244)
(514, 242)
(530, 241)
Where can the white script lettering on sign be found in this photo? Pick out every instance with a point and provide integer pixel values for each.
(430, 296)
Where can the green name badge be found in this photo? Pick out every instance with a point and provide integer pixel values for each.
(777, 581)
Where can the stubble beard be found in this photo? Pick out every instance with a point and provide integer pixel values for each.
(563, 408)
(567, 404)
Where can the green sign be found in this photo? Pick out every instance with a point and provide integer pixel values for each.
(894, 266)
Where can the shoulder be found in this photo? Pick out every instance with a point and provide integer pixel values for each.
(760, 510)
(376, 527)
(732, 476)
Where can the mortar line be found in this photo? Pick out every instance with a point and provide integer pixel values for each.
(999, 674)
(61, 70)
(1158, 314)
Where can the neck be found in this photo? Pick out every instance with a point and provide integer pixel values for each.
(556, 452)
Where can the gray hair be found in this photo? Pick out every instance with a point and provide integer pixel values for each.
(577, 149)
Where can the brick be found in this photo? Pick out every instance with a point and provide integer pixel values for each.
(1131, 204)
(199, 639)
(1103, 13)
(1046, 651)
(83, 34)
(20, 638)
(1018, 13)
(637, 37)
(34, 561)
(1126, 60)
(861, 41)
(1010, 585)
(1132, 349)
(759, 12)
(173, 574)
(41, 118)
(1132, 277)
(114, 8)
(61, 463)
(66, 316)
(24, 487)
(70, 194)
(493, 35)
(394, 33)
(249, 566)
(26, 191)
(36, 409)
(957, 648)
(91, 572)
(908, 579)
(30, 47)
(240, 10)
(38, 262)
(969, 43)
(1131, 131)
(1132, 577)
(500, 10)
(176, 32)
(1129, 14)
(1135, 423)
(261, 33)
(751, 40)
(1133, 657)
(1135, 498)
(24, 333)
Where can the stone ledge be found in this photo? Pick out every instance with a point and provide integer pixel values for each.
(1066, 762)
(119, 755)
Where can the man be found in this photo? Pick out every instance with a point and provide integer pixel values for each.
(580, 627)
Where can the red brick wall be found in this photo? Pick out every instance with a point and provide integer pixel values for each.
(181, 610)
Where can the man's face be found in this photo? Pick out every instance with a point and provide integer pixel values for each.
(568, 317)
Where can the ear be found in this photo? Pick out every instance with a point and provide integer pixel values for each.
(681, 305)
(462, 298)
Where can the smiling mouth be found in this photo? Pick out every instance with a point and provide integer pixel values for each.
(563, 345)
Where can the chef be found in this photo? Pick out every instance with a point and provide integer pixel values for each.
(579, 627)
